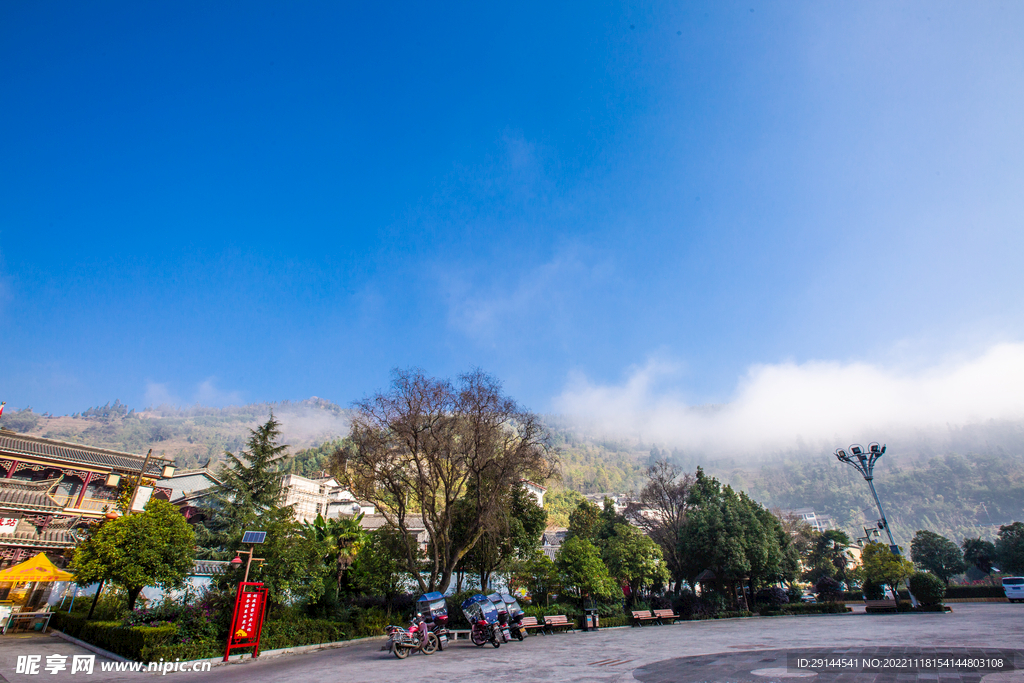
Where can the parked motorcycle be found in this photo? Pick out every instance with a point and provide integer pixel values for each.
(405, 641)
(483, 621)
(433, 609)
(515, 616)
(503, 616)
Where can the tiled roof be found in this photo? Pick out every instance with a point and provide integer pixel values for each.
(60, 538)
(209, 567)
(29, 495)
(183, 483)
(13, 445)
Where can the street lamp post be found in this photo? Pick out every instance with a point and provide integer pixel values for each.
(238, 560)
(865, 464)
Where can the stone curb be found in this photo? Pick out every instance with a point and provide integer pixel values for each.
(88, 646)
(297, 649)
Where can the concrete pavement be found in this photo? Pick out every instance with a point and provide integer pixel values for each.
(613, 655)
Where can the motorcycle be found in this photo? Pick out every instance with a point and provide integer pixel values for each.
(433, 609)
(503, 616)
(515, 616)
(483, 621)
(404, 641)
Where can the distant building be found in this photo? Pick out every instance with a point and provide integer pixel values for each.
(51, 489)
(322, 496)
(551, 541)
(536, 490)
(372, 523)
(818, 522)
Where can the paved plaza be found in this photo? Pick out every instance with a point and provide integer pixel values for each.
(735, 650)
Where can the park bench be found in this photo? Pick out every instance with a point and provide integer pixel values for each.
(884, 604)
(558, 621)
(641, 616)
(531, 622)
(666, 616)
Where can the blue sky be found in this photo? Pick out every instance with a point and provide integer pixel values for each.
(257, 201)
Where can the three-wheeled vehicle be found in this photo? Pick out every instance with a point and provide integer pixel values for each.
(433, 610)
(483, 621)
(515, 616)
(503, 616)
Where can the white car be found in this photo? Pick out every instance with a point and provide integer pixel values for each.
(1013, 586)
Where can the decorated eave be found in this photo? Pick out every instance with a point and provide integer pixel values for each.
(23, 448)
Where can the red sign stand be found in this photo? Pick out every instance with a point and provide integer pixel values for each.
(247, 622)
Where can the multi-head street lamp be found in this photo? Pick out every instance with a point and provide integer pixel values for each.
(865, 461)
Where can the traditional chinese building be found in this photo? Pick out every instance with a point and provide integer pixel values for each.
(51, 488)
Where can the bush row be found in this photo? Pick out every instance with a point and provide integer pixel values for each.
(131, 642)
(148, 643)
(951, 592)
(804, 608)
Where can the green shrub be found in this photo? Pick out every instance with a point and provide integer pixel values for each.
(927, 588)
(294, 632)
(974, 592)
(805, 608)
(131, 642)
(873, 591)
(197, 649)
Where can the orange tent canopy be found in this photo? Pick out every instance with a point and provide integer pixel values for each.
(39, 568)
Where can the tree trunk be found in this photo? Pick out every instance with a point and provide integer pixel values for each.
(95, 599)
(133, 594)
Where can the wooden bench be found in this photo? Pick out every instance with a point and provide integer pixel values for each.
(558, 621)
(639, 617)
(884, 604)
(531, 622)
(666, 616)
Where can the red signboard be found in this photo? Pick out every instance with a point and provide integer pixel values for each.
(247, 622)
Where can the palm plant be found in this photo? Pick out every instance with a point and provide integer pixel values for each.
(340, 539)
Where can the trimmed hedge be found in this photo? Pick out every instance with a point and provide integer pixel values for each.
(951, 592)
(131, 642)
(975, 592)
(149, 643)
(805, 608)
(928, 588)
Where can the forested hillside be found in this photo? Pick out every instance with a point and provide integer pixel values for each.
(192, 436)
(957, 493)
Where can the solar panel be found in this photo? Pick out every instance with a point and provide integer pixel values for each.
(254, 537)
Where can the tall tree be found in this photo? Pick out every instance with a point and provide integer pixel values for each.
(418, 448)
(979, 553)
(829, 556)
(250, 492)
(515, 533)
(660, 510)
(582, 573)
(882, 566)
(153, 548)
(633, 558)
(585, 522)
(937, 554)
(1010, 548)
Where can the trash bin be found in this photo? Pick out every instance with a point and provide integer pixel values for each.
(590, 620)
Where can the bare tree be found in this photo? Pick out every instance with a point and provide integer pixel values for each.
(660, 510)
(424, 444)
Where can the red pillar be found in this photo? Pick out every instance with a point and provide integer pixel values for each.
(81, 495)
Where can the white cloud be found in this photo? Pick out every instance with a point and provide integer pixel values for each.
(207, 394)
(158, 394)
(818, 402)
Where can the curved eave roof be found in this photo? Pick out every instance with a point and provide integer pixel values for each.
(14, 445)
